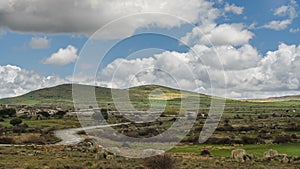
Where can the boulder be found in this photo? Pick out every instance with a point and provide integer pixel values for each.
(152, 152)
(270, 154)
(239, 155)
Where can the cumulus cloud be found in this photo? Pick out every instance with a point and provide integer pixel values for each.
(85, 17)
(286, 10)
(248, 75)
(63, 56)
(278, 25)
(17, 81)
(39, 43)
(224, 34)
(234, 9)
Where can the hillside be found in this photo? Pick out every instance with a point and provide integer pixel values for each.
(62, 96)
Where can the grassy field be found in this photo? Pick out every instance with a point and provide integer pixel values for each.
(52, 123)
(291, 149)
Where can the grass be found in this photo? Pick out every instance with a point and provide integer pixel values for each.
(225, 150)
(47, 124)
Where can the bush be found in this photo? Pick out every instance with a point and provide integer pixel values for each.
(214, 140)
(205, 153)
(8, 112)
(60, 114)
(282, 139)
(165, 161)
(44, 113)
(7, 140)
(15, 121)
(249, 140)
(34, 140)
(100, 115)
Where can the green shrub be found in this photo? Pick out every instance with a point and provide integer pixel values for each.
(15, 121)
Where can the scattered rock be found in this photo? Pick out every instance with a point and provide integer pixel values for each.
(152, 152)
(270, 154)
(239, 155)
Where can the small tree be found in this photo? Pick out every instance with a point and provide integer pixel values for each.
(8, 112)
(15, 121)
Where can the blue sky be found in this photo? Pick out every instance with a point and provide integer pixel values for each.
(66, 35)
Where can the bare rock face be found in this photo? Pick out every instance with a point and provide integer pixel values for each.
(270, 154)
(239, 155)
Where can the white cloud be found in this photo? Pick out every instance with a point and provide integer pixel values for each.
(63, 56)
(39, 43)
(281, 10)
(234, 9)
(248, 74)
(17, 81)
(285, 10)
(278, 25)
(295, 30)
(224, 34)
(85, 17)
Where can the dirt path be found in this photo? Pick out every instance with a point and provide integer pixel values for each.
(70, 136)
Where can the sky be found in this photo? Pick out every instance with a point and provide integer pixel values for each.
(235, 49)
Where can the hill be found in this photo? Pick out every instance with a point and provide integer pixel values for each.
(62, 96)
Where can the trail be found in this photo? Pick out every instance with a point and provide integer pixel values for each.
(70, 136)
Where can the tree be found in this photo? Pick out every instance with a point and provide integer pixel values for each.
(8, 112)
(15, 121)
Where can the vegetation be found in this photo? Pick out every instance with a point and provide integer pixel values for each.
(255, 126)
(15, 121)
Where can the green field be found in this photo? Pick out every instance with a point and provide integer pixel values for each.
(52, 123)
(291, 149)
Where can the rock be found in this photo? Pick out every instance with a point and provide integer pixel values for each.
(152, 152)
(270, 154)
(239, 155)
(114, 150)
(285, 159)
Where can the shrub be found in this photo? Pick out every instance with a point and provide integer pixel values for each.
(165, 161)
(214, 140)
(282, 139)
(249, 140)
(100, 115)
(60, 114)
(44, 113)
(7, 140)
(205, 153)
(34, 140)
(15, 121)
(8, 112)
